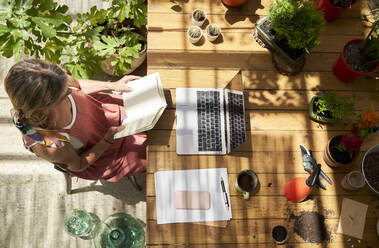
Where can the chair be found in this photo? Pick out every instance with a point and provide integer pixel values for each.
(68, 179)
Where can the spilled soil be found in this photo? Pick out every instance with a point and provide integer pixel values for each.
(310, 227)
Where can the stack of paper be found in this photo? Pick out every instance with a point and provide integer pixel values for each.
(192, 196)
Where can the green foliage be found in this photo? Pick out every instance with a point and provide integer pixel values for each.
(194, 32)
(198, 15)
(336, 105)
(370, 46)
(80, 48)
(135, 10)
(296, 21)
(213, 30)
(44, 19)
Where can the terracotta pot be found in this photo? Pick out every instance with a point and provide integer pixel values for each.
(233, 3)
(331, 12)
(329, 160)
(108, 67)
(343, 71)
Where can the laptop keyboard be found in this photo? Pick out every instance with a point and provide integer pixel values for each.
(209, 121)
(236, 120)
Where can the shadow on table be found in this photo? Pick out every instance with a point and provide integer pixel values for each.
(245, 11)
(122, 190)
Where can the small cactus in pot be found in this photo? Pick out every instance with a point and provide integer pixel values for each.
(213, 31)
(198, 17)
(194, 34)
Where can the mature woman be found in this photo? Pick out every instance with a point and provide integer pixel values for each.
(72, 123)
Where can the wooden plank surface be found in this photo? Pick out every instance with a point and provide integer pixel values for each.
(260, 80)
(162, 140)
(287, 99)
(260, 206)
(250, 8)
(276, 117)
(240, 231)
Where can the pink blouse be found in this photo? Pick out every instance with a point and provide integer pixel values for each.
(95, 114)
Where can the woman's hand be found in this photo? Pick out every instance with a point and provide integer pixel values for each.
(120, 84)
(109, 135)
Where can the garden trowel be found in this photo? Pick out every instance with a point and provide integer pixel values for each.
(310, 165)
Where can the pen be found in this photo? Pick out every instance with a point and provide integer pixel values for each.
(224, 193)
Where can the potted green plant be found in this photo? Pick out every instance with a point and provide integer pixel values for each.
(342, 150)
(116, 35)
(55, 39)
(213, 31)
(359, 56)
(330, 107)
(333, 8)
(291, 29)
(198, 17)
(194, 34)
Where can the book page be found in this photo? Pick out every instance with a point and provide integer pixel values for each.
(143, 105)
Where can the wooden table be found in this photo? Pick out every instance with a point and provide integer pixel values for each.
(277, 122)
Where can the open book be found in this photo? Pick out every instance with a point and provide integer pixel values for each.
(144, 105)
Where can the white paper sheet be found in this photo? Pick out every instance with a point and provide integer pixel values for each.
(167, 182)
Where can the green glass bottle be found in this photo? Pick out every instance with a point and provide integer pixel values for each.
(120, 231)
(82, 224)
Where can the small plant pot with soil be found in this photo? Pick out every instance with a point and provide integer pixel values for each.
(350, 64)
(333, 8)
(279, 234)
(370, 168)
(213, 31)
(319, 117)
(337, 159)
(290, 31)
(198, 17)
(330, 107)
(194, 34)
(267, 35)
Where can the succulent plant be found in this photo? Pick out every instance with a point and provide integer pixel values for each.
(194, 32)
(199, 15)
(213, 30)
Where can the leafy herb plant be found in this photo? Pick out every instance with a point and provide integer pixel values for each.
(334, 105)
(297, 22)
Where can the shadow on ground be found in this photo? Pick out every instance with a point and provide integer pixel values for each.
(122, 190)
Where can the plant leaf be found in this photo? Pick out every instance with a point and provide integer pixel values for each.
(47, 30)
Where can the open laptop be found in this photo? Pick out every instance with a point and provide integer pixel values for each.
(210, 120)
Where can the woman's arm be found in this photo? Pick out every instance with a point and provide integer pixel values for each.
(92, 86)
(67, 155)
